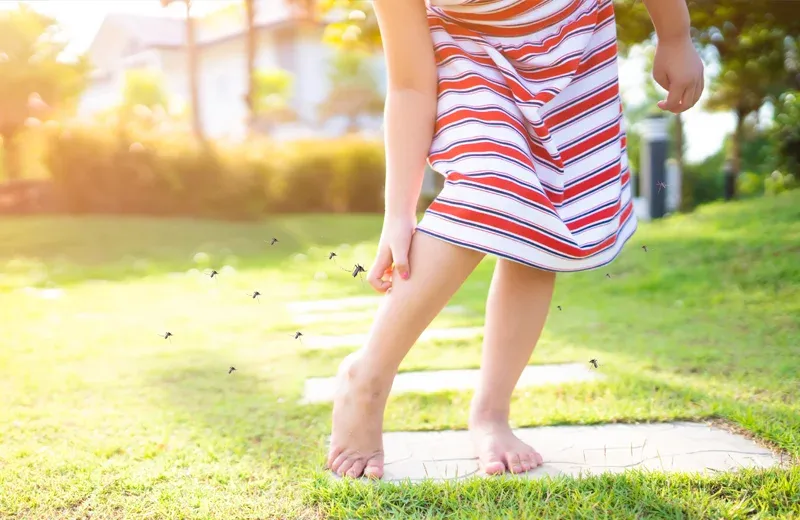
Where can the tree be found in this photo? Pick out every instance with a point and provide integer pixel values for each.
(143, 87)
(34, 82)
(786, 132)
(272, 91)
(252, 46)
(748, 77)
(351, 23)
(353, 91)
(752, 42)
(192, 57)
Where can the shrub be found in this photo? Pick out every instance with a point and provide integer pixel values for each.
(704, 181)
(749, 184)
(786, 133)
(779, 182)
(123, 171)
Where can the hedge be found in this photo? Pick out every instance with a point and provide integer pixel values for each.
(95, 170)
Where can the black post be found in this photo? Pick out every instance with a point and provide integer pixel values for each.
(653, 174)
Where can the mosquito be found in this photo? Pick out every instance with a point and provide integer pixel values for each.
(645, 248)
(357, 269)
(330, 256)
(593, 362)
(231, 370)
(661, 185)
(297, 335)
(167, 335)
(559, 307)
(273, 241)
(608, 276)
(213, 273)
(254, 295)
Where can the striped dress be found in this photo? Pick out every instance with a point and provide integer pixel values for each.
(529, 133)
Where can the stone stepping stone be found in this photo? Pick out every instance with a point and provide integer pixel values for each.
(322, 389)
(356, 340)
(574, 450)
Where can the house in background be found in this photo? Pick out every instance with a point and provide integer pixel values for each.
(285, 41)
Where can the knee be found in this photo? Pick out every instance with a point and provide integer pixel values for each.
(350, 366)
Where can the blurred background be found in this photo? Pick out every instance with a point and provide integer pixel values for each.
(148, 145)
(240, 108)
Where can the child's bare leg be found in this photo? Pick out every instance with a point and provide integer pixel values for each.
(516, 309)
(437, 271)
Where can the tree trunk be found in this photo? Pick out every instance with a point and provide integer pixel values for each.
(11, 158)
(194, 87)
(733, 166)
(251, 65)
(738, 141)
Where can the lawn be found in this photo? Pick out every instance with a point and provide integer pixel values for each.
(102, 418)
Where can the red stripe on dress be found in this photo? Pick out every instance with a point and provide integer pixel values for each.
(519, 230)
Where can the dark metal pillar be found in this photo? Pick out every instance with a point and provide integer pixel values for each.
(653, 174)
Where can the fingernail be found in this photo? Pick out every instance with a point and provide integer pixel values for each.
(404, 276)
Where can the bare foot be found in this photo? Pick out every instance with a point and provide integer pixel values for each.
(357, 439)
(498, 449)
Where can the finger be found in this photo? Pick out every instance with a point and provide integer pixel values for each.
(400, 256)
(375, 275)
(673, 101)
(687, 101)
(699, 90)
(661, 78)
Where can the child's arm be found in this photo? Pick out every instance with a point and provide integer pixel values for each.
(409, 119)
(677, 66)
(670, 18)
(410, 101)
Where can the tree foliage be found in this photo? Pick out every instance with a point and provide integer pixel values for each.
(786, 132)
(272, 90)
(354, 91)
(351, 24)
(143, 87)
(35, 84)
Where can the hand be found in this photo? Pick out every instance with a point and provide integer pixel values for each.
(679, 70)
(392, 252)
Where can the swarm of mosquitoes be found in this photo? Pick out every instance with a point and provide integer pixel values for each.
(355, 271)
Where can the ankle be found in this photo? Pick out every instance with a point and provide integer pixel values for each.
(363, 374)
(483, 412)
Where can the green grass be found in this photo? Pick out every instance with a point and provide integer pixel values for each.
(101, 418)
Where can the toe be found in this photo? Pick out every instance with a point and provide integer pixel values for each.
(538, 458)
(339, 462)
(333, 454)
(493, 465)
(357, 469)
(374, 467)
(514, 462)
(530, 458)
(346, 465)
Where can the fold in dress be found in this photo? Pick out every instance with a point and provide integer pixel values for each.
(529, 132)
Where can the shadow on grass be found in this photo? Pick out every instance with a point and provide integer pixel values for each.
(38, 251)
(249, 413)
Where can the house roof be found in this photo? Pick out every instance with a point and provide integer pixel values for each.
(163, 31)
(151, 31)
